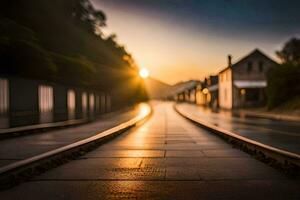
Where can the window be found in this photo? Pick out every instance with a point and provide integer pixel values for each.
(92, 103)
(45, 99)
(84, 103)
(250, 66)
(71, 104)
(3, 96)
(261, 66)
(225, 94)
(45, 103)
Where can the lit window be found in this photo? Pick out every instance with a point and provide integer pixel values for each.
(4, 96)
(45, 103)
(243, 91)
(45, 98)
(205, 91)
(84, 103)
(71, 104)
(92, 102)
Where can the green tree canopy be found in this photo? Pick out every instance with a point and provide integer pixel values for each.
(61, 41)
(283, 80)
(290, 52)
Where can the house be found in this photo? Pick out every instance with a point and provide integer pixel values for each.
(243, 83)
(186, 91)
(210, 91)
(200, 97)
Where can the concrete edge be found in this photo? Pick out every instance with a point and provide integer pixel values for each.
(277, 117)
(23, 130)
(12, 174)
(273, 156)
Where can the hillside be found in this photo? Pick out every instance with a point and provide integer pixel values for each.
(157, 89)
(56, 41)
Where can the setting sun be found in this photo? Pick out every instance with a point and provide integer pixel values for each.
(144, 73)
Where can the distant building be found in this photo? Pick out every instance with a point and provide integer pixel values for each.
(243, 84)
(186, 91)
(210, 91)
(200, 97)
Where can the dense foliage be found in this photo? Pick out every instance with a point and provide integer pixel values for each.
(283, 84)
(62, 41)
(290, 52)
(284, 80)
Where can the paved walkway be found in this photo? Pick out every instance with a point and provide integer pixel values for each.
(19, 148)
(166, 158)
(281, 134)
(284, 116)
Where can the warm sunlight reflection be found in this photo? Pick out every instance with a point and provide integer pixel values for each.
(144, 73)
(144, 109)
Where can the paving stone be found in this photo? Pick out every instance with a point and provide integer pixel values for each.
(166, 158)
(155, 190)
(125, 153)
(187, 153)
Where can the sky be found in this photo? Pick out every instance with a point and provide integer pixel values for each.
(179, 40)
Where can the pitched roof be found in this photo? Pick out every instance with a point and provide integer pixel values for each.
(254, 52)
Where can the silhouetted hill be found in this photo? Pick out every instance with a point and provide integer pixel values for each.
(157, 89)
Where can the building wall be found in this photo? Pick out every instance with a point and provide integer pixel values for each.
(26, 102)
(103, 103)
(214, 102)
(23, 102)
(108, 103)
(4, 96)
(60, 103)
(260, 65)
(200, 98)
(4, 102)
(193, 96)
(225, 89)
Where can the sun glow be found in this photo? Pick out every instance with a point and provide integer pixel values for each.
(144, 73)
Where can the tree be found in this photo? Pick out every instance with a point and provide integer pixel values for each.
(85, 13)
(56, 41)
(283, 80)
(291, 52)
